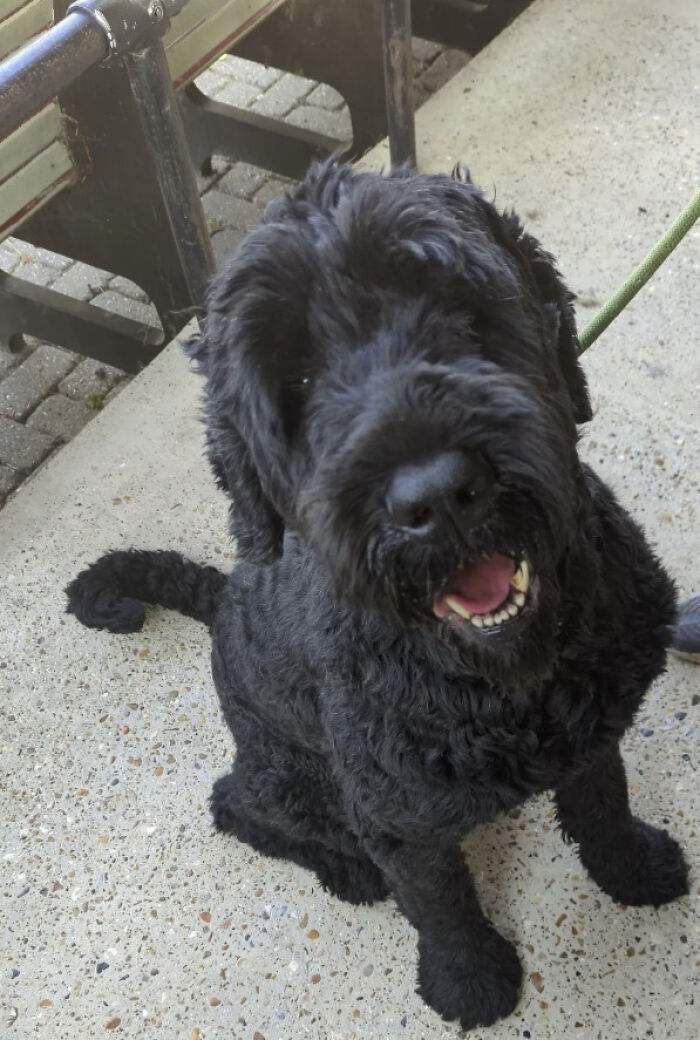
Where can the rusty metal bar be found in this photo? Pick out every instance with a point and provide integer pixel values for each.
(213, 127)
(398, 80)
(164, 134)
(32, 309)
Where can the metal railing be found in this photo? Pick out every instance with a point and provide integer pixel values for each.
(91, 31)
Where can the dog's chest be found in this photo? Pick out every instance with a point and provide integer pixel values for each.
(450, 758)
(428, 747)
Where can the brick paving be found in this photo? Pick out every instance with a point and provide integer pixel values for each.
(47, 394)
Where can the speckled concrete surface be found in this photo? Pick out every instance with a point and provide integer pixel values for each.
(121, 912)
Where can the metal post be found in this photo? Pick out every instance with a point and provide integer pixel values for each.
(159, 111)
(398, 80)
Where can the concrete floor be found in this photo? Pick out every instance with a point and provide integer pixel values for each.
(123, 912)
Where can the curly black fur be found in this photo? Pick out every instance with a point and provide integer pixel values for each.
(372, 322)
(111, 593)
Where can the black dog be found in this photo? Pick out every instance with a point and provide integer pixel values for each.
(438, 610)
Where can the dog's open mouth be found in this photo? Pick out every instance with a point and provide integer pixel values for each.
(487, 594)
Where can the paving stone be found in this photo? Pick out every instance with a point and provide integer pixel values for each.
(333, 124)
(283, 95)
(220, 165)
(128, 308)
(90, 379)
(35, 254)
(205, 182)
(81, 281)
(243, 180)
(210, 80)
(424, 51)
(273, 188)
(128, 288)
(445, 66)
(35, 272)
(36, 377)
(22, 448)
(60, 417)
(262, 76)
(235, 92)
(226, 211)
(9, 257)
(9, 479)
(225, 243)
(324, 96)
(10, 359)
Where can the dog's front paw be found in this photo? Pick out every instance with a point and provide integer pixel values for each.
(644, 867)
(475, 985)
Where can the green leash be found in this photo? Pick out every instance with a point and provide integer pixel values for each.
(641, 275)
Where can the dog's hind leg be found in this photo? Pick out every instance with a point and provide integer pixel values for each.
(281, 812)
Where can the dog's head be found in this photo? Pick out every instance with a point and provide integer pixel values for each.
(391, 372)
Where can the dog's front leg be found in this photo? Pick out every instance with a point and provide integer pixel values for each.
(632, 862)
(466, 970)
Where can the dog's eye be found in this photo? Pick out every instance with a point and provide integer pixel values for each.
(418, 518)
(465, 495)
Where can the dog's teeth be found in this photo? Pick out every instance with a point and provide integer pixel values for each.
(521, 578)
(477, 622)
(512, 610)
(489, 621)
(503, 616)
(457, 607)
(519, 599)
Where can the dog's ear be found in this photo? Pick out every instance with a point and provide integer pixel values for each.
(254, 354)
(254, 523)
(559, 308)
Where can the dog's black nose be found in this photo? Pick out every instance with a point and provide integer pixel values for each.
(453, 484)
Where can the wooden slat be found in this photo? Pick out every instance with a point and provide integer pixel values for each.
(29, 139)
(23, 24)
(31, 186)
(8, 7)
(203, 30)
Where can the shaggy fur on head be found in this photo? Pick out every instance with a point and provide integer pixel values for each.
(437, 610)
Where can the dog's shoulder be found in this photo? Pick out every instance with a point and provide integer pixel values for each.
(632, 574)
(614, 632)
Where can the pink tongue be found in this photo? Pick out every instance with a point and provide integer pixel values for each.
(483, 586)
